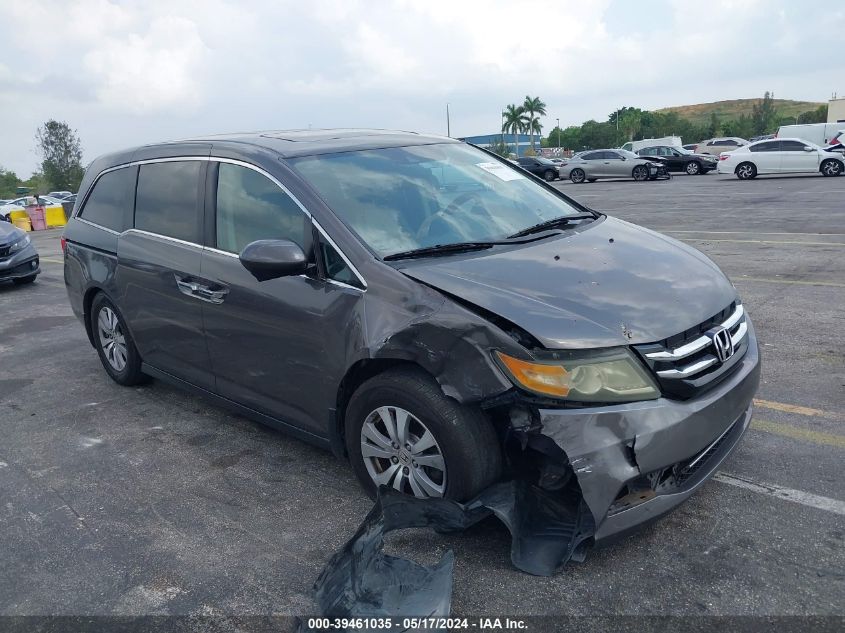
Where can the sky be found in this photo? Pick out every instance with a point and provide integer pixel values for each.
(125, 73)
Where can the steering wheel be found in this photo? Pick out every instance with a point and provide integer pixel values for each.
(444, 214)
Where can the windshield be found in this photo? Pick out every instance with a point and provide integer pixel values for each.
(406, 198)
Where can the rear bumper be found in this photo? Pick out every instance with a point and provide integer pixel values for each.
(635, 462)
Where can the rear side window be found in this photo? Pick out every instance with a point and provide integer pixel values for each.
(167, 200)
(106, 206)
(771, 146)
(252, 207)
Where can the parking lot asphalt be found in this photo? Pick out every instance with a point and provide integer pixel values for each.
(147, 500)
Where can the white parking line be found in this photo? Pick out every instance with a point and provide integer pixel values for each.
(778, 492)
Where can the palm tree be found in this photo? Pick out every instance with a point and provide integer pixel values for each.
(534, 125)
(533, 106)
(514, 122)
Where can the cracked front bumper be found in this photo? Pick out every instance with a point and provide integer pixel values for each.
(24, 263)
(611, 447)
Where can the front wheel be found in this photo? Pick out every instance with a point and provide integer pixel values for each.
(577, 176)
(549, 175)
(746, 171)
(403, 432)
(640, 172)
(693, 168)
(831, 167)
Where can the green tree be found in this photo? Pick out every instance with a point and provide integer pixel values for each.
(764, 115)
(8, 184)
(499, 147)
(61, 153)
(534, 108)
(713, 125)
(515, 121)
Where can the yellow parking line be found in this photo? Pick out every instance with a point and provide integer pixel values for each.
(796, 433)
(781, 242)
(789, 281)
(794, 408)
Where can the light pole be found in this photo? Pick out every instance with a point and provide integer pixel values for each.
(558, 136)
(448, 126)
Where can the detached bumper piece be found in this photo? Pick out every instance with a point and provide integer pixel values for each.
(547, 530)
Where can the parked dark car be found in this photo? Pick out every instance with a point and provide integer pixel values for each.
(539, 166)
(420, 307)
(680, 160)
(18, 258)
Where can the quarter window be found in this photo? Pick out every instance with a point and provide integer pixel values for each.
(336, 268)
(107, 203)
(167, 200)
(252, 207)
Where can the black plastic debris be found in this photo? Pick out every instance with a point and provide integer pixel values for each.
(547, 529)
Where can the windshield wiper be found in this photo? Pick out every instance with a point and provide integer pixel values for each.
(552, 224)
(457, 247)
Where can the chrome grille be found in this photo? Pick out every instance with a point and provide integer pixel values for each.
(688, 363)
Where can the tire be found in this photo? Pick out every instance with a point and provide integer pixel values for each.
(577, 175)
(693, 168)
(831, 167)
(639, 173)
(114, 343)
(549, 175)
(746, 171)
(591, 179)
(22, 281)
(463, 438)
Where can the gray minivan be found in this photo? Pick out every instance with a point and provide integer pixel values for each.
(419, 306)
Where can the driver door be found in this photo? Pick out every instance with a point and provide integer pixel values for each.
(276, 346)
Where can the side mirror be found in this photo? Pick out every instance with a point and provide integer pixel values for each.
(271, 259)
(807, 148)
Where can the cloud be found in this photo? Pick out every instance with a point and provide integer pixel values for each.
(124, 73)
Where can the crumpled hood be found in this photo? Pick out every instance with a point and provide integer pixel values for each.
(608, 283)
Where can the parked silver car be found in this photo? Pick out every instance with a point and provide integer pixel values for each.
(609, 163)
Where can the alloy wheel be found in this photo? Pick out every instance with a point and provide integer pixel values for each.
(112, 339)
(399, 451)
(831, 168)
(640, 173)
(692, 168)
(745, 171)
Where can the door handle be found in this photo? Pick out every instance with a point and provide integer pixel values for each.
(193, 288)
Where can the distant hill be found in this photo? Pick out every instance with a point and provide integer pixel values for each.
(732, 109)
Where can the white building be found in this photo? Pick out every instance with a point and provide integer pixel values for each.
(836, 110)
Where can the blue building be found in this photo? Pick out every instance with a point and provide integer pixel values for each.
(523, 141)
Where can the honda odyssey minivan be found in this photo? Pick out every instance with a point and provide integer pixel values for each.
(420, 307)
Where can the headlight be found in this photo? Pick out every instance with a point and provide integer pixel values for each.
(20, 244)
(612, 375)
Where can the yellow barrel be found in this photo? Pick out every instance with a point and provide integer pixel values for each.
(23, 223)
(54, 216)
(14, 215)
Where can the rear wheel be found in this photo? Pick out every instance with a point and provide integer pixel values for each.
(114, 344)
(831, 167)
(577, 176)
(640, 172)
(693, 168)
(746, 171)
(549, 175)
(403, 432)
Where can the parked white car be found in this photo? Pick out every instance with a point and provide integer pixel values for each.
(780, 156)
(715, 146)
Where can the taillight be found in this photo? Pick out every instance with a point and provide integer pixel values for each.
(723, 157)
(63, 242)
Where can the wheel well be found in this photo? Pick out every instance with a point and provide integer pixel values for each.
(826, 160)
(87, 300)
(745, 162)
(356, 376)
